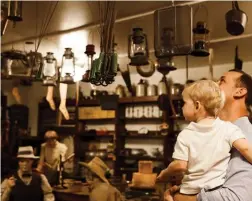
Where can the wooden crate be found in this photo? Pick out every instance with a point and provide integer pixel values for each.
(95, 113)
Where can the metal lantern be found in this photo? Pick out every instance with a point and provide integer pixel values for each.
(35, 61)
(15, 63)
(200, 39)
(138, 48)
(68, 67)
(15, 11)
(90, 52)
(50, 70)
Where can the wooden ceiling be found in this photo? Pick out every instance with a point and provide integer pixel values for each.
(75, 15)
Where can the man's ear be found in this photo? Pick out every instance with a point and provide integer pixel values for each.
(240, 92)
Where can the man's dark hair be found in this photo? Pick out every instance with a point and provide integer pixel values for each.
(245, 80)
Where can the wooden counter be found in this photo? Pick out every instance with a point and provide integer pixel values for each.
(76, 192)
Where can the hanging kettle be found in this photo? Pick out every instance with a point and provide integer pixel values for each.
(236, 20)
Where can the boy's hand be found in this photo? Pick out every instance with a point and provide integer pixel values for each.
(161, 176)
(11, 182)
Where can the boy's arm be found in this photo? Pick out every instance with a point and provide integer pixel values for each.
(176, 167)
(238, 140)
(244, 148)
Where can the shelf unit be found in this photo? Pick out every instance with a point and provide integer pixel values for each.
(119, 135)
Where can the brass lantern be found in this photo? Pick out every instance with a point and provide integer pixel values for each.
(50, 70)
(200, 40)
(68, 67)
(138, 48)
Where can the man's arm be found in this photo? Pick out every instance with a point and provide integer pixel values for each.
(6, 188)
(47, 189)
(245, 149)
(41, 159)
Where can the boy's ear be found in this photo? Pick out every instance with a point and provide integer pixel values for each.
(197, 105)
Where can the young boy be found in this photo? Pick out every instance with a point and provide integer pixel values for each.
(202, 148)
(50, 156)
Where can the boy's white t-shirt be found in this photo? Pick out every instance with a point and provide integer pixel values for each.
(206, 148)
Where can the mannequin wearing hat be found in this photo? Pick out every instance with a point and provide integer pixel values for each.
(24, 184)
(50, 154)
(100, 188)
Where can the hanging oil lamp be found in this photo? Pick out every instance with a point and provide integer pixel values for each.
(138, 48)
(15, 63)
(200, 34)
(90, 52)
(50, 70)
(68, 67)
(200, 40)
(35, 61)
(15, 11)
(165, 65)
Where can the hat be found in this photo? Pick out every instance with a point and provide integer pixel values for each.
(98, 167)
(26, 152)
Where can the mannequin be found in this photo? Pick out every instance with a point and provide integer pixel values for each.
(63, 95)
(96, 174)
(49, 97)
(15, 91)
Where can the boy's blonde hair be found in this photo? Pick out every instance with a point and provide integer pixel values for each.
(51, 135)
(208, 93)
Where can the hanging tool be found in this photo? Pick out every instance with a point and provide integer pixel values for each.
(238, 62)
(210, 59)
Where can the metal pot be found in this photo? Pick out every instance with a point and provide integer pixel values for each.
(176, 89)
(141, 88)
(152, 90)
(120, 91)
(236, 20)
(162, 87)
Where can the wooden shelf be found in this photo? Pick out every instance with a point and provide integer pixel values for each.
(97, 137)
(142, 158)
(31, 138)
(61, 130)
(68, 122)
(89, 102)
(142, 99)
(105, 121)
(141, 119)
(151, 134)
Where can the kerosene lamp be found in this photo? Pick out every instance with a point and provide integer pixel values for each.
(90, 52)
(138, 48)
(68, 67)
(200, 40)
(50, 70)
(15, 11)
(200, 34)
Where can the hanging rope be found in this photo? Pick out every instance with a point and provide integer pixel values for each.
(45, 23)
